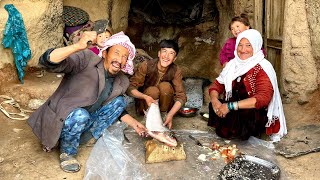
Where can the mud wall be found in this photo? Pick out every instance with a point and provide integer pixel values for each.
(114, 10)
(200, 44)
(300, 49)
(43, 24)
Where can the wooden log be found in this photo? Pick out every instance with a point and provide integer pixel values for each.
(157, 151)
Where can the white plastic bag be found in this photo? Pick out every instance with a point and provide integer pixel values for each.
(110, 160)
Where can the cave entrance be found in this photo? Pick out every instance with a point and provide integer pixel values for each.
(150, 21)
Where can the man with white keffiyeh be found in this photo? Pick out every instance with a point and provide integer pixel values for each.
(89, 98)
(252, 103)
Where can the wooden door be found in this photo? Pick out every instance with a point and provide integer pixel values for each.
(273, 31)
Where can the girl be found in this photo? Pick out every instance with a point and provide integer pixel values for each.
(236, 26)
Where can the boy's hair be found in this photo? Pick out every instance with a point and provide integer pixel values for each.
(170, 44)
(243, 18)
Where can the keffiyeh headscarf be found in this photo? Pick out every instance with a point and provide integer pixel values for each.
(123, 40)
(237, 67)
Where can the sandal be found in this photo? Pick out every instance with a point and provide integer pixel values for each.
(69, 163)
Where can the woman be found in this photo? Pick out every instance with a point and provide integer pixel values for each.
(252, 103)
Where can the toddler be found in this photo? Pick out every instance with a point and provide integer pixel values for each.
(236, 26)
(104, 31)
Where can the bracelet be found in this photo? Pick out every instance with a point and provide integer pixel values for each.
(233, 105)
(229, 106)
(236, 105)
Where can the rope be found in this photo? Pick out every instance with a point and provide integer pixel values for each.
(21, 115)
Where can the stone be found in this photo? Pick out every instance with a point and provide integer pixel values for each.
(35, 103)
(300, 141)
(194, 92)
(156, 152)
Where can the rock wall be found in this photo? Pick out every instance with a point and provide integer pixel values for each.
(201, 43)
(96, 9)
(43, 24)
(114, 10)
(299, 62)
(313, 17)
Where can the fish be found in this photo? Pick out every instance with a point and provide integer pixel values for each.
(155, 127)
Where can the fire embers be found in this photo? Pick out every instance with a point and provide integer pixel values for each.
(227, 152)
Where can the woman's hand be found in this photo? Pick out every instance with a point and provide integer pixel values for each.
(216, 104)
(223, 110)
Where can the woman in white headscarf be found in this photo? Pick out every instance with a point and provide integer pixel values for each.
(252, 103)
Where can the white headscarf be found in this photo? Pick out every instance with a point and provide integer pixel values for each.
(237, 67)
(123, 40)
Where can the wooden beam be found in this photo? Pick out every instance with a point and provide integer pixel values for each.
(258, 15)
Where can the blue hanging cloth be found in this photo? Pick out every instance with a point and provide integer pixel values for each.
(15, 37)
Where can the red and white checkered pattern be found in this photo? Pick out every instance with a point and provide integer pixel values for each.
(123, 40)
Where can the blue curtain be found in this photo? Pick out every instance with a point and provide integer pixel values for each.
(15, 37)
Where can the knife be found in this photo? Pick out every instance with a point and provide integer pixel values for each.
(196, 140)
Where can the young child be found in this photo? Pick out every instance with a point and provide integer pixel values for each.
(104, 31)
(236, 26)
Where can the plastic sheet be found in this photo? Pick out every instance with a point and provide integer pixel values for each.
(259, 142)
(102, 164)
(192, 167)
(110, 160)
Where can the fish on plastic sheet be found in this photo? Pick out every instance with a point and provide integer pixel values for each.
(155, 126)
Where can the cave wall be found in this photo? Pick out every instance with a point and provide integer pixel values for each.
(196, 38)
(44, 27)
(300, 49)
(43, 24)
(114, 10)
(97, 10)
(200, 44)
(313, 17)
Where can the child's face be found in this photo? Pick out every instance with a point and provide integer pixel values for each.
(237, 27)
(102, 37)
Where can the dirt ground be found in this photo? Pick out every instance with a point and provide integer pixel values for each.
(21, 156)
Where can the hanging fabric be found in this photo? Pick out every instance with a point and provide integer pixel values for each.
(15, 37)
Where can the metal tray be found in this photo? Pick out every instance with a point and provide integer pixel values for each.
(250, 167)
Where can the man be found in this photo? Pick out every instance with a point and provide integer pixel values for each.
(159, 79)
(88, 100)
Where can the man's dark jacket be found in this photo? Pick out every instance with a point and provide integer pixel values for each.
(83, 82)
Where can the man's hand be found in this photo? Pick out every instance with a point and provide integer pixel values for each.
(168, 121)
(149, 100)
(87, 36)
(136, 125)
(60, 54)
(140, 129)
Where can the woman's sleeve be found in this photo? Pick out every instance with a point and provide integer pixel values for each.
(264, 90)
(217, 87)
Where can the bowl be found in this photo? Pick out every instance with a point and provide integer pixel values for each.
(188, 111)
